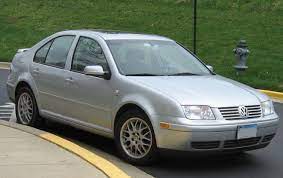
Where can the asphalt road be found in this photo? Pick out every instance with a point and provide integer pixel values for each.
(264, 163)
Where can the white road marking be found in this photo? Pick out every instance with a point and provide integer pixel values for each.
(7, 111)
(7, 105)
(13, 117)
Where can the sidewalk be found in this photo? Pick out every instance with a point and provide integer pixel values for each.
(23, 155)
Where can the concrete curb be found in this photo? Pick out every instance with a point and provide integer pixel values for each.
(5, 65)
(100, 163)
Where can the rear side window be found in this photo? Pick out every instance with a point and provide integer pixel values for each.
(40, 55)
(58, 52)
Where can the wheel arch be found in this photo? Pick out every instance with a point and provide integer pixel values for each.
(127, 107)
(144, 108)
(22, 84)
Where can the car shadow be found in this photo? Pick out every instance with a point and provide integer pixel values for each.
(205, 162)
(232, 165)
(70, 133)
(173, 161)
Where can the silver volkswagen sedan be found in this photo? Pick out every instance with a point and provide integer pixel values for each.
(147, 92)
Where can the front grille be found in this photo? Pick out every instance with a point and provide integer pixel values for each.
(232, 113)
(241, 142)
(205, 145)
(268, 138)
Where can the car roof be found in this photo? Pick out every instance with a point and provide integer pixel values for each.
(116, 35)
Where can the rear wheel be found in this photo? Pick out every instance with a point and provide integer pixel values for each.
(134, 137)
(26, 108)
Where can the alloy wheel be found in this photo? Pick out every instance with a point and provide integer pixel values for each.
(136, 138)
(25, 108)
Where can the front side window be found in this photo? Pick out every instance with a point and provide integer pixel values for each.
(40, 55)
(58, 52)
(153, 57)
(88, 53)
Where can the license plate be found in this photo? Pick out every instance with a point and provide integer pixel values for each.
(247, 131)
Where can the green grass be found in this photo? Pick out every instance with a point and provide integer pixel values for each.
(221, 23)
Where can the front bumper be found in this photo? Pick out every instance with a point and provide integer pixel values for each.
(222, 137)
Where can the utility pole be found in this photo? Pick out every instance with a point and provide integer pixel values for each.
(195, 28)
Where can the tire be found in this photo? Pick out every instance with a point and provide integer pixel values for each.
(145, 154)
(30, 116)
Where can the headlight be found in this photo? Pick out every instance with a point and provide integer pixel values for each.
(198, 112)
(267, 108)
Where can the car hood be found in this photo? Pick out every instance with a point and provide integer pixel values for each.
(213, 90)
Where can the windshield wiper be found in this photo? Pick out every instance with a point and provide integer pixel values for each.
(142, 74)
(183, 73)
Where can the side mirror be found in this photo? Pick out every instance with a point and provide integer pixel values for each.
(210, 68)
(96, 71)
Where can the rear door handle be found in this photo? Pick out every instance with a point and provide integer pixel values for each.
(36, 71)
(69, 80)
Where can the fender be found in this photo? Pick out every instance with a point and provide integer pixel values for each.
(138, 100)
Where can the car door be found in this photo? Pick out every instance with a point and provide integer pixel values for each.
(89, 98)
(48, 71)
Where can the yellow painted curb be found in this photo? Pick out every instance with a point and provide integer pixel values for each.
(273, 94)
(105, 166)
(109, 169)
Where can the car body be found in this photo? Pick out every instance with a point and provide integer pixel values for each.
(234, 111)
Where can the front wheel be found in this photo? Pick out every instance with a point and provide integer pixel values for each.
(134, 137)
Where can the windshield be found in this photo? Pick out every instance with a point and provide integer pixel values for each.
(152, 57)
